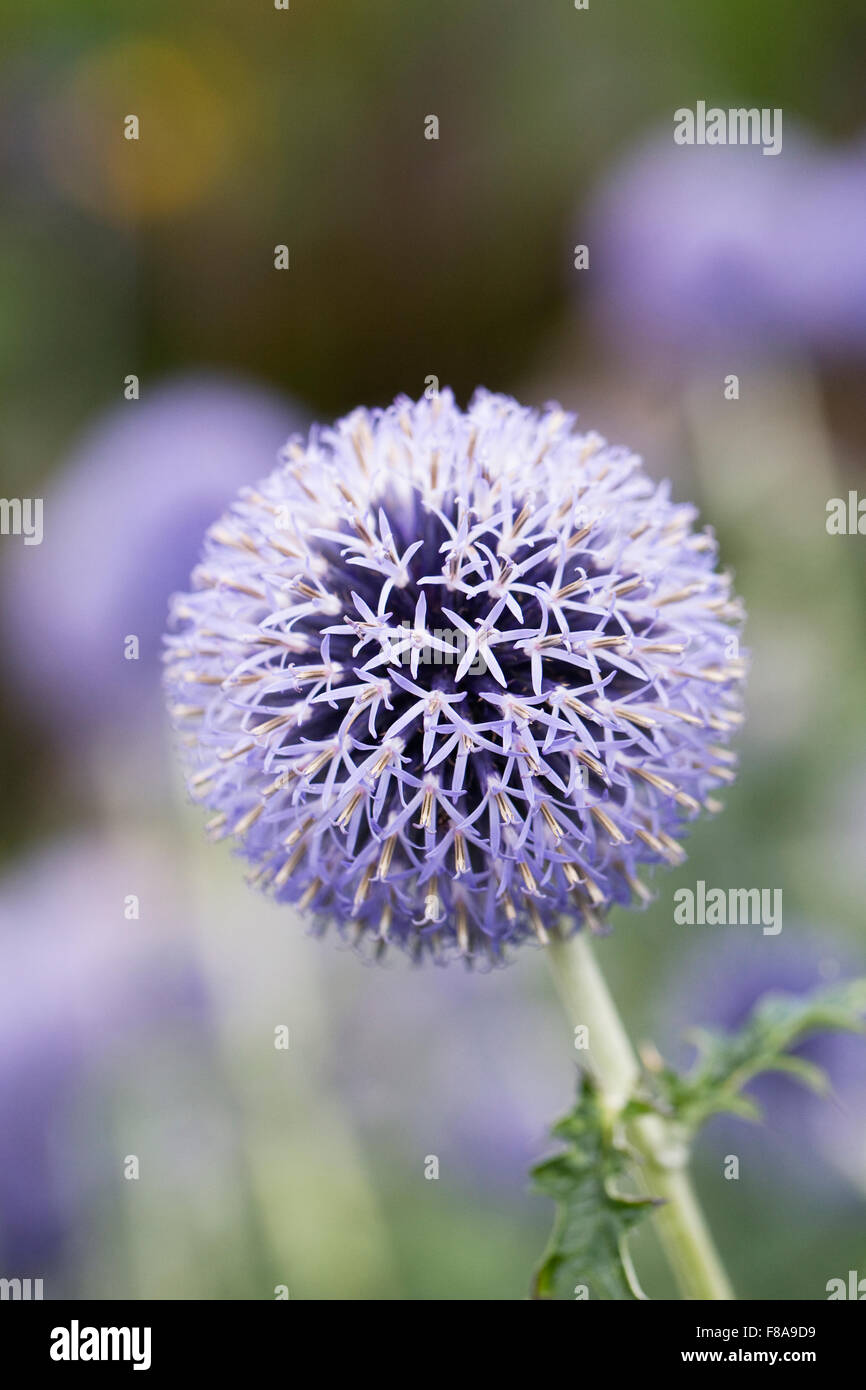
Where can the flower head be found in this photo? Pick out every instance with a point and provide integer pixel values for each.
(449, 677)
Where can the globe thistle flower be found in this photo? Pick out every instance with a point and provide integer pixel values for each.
(450, 678)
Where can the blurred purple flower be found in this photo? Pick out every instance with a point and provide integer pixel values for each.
(717, 250)
(479, 1070)
(828, 295)
(451, 677)
(124, 519)
(79, 990)
(720, 986)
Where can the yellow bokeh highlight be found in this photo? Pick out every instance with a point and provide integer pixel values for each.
(190, 114)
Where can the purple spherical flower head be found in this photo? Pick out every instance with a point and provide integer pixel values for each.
(450, 677)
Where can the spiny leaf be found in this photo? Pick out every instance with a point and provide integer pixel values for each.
(727, 1062)
(588, 1244)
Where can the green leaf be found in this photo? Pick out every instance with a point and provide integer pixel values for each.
(594, 1215)
(727, 1062)
(588, 1244)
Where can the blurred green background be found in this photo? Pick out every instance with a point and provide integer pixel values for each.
(153, 1036)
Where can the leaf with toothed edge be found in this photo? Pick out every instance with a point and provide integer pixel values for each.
(588, 1243)
(727, 1061)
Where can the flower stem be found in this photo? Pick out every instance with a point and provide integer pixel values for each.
(615, 1069)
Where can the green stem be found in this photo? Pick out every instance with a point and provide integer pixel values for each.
(680, 1222)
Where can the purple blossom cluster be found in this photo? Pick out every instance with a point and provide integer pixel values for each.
(455, 807)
